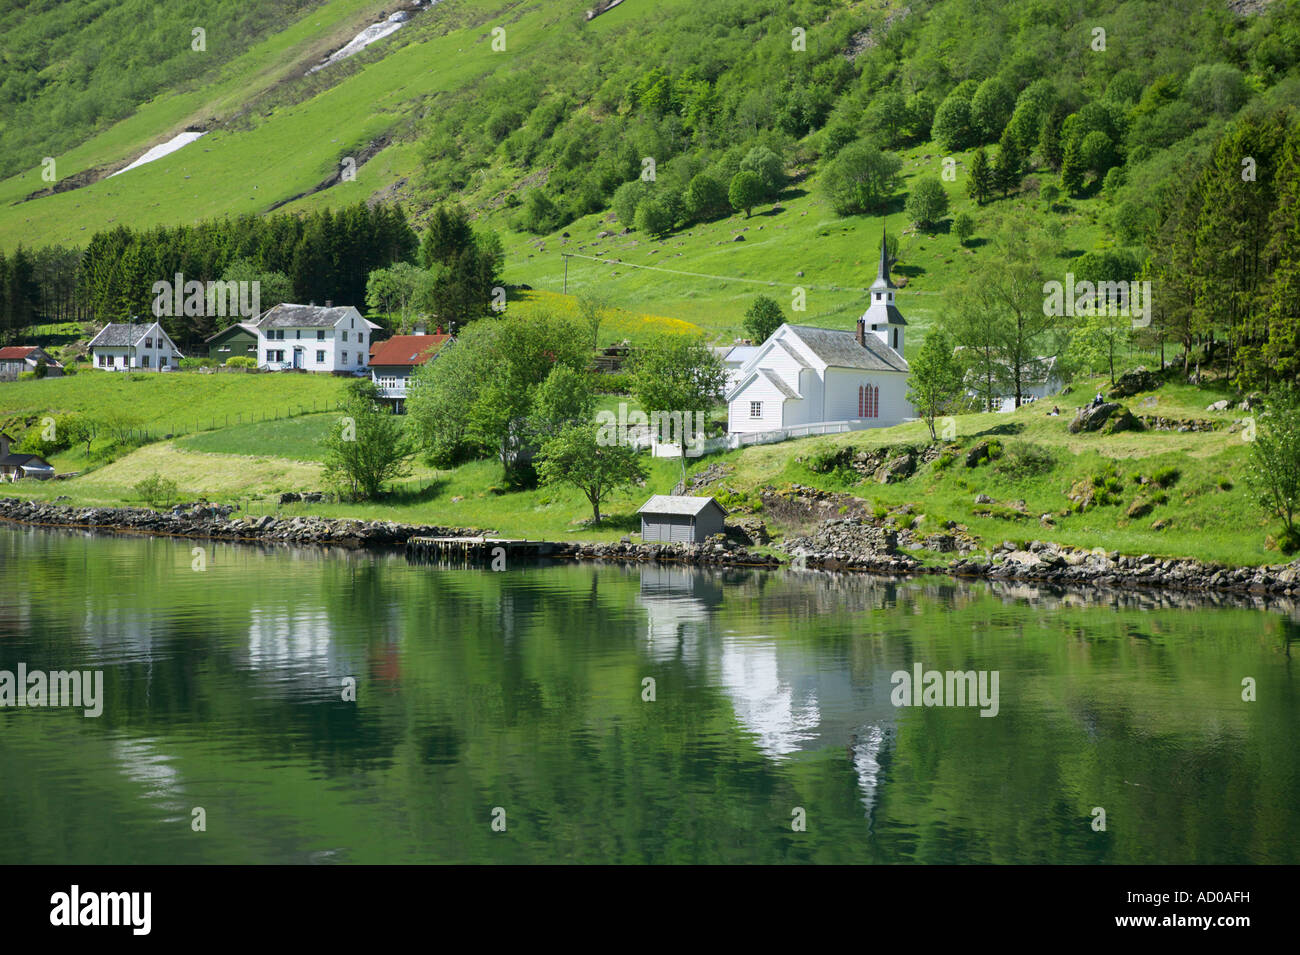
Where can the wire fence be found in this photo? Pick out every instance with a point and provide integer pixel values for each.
(144, 435)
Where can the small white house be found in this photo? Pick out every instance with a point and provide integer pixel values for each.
(314, 338)
(128, 347)
(808, 376)
(1040, 379)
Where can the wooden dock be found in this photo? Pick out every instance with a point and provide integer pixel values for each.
(475, 550)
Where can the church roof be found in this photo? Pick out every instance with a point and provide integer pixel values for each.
(892, 315)
(840, 349)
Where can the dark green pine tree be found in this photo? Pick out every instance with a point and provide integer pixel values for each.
(1009, 166)
(1072, 169)
(979, 185)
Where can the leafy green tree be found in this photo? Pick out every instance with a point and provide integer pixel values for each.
(593, 309)
(367, 448)
(654, 217)
(963, 227)
(1274, 472)
(540, 214)
(626, 199)
(1097, 153)
(860, 178)
(706, 198)
(746, 191)
(952, 123)
(1216, 87)
(990, 109)
(767, 165)
(888, 117)
(403, 290)
(563, 398)
(928, 203)
(677, 373)
(1099, 340)
(980, 182)
(575, 456)
(935, 380)
(273, 287)
(762, 318)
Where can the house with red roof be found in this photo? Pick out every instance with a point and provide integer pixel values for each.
(16, 359)
(394, 362)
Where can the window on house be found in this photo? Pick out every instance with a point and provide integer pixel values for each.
(320, 334)
(298, 333)
(162, 361)
(878, 294)
(345, 356)
(144, 361)
(224, 348)
(868, 401)
(148, 343)
(756, 409)
(320, 356)
(895, 339)
(345, 336)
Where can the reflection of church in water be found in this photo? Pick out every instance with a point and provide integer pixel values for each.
(785, 695)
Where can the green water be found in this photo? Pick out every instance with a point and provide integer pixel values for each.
(519, 696)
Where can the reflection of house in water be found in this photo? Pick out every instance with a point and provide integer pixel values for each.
(677, 602)
(790, 694)
(299, 648)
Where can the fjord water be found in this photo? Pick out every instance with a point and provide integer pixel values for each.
(523, 691)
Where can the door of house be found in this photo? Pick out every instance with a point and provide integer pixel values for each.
(297, 358)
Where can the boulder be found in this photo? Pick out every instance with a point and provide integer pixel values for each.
(1218, 406)
(1133, 382)
(977, 455)
(897, 468)
(1093, 418)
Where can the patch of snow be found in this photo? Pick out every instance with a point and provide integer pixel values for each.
(376, 31)
(173, 144)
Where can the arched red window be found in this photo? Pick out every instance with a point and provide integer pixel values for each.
(868, 401)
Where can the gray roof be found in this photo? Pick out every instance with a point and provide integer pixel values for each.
(25, 461)
(678, 504)
(841, 349)
(779, 382)
(249, 327)
(119, 336)
(305, 316)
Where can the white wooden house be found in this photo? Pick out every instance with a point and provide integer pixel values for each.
(134, 347)
(810, 376)
(314, 338)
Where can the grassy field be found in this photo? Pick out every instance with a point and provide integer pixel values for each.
(174, 403)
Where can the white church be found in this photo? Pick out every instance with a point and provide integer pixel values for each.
(805, 376)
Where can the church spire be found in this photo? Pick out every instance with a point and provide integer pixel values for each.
(882, 272)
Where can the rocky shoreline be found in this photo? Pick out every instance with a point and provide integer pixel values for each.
(204, 521)
(846, 544)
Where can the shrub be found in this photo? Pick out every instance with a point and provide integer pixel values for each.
(187, 364)
(1025, 458)
(944, 461)
(241, 361)
(156, 491)
(963, 227)
(27, 376)
(928, 203)
(1166, 477)
(832, 459)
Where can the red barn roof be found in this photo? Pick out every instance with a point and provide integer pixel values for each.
(15, 352)
(407, 349)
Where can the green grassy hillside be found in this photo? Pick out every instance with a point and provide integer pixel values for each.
(465, 103)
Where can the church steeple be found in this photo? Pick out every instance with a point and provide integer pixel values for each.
(882, 318)
(882, 271)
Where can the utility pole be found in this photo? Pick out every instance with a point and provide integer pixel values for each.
(565, 256)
